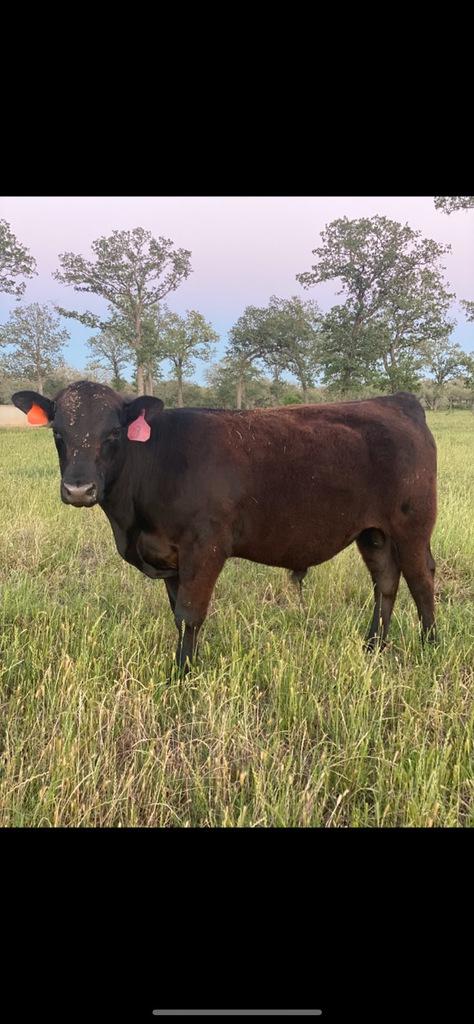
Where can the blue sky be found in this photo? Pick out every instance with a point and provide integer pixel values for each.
(244, 249)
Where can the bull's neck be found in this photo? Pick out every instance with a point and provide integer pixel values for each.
(130, 493)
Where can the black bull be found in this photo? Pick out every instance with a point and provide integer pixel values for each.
(185, 489)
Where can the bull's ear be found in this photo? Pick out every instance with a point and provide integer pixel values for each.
(39, 410)
(139, 416)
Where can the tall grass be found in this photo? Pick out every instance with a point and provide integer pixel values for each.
(284, 721)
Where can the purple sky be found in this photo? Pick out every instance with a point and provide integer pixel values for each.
(244, 249)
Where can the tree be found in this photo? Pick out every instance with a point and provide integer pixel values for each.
(395, 299)
(193, 394)
(250, 342)
(449, 204)
(468, 375)
(347, 357)
(116, 351)
(36, 340)
(413, 329)
(156, 324)
(235, 384)
(444, 360)
(460, 393)
(182, 340)
(294, 330)
(132, 271)
(110, 353)
(283, 337)
(61, 376)
(455, 394)
(15, 261)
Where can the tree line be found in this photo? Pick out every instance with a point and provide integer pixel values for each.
(391, 330)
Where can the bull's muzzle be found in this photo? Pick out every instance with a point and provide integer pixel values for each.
(79, 495)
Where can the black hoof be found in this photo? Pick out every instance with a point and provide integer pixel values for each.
(430, 637)
(373, 644)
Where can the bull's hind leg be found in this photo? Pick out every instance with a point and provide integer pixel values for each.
(297, 577)
(379, 555)
(418, 567)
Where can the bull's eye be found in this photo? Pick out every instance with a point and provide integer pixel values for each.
(60, 445)
(112, 437)
(58, 438)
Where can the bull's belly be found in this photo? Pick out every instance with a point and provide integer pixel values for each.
(299, 542)
(297, 556)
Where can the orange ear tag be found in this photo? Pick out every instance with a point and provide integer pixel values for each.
(139, 430)
(37, 416)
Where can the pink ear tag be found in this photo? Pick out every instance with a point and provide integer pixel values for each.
(139, 430)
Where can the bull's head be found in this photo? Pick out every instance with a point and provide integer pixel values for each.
(92, 426)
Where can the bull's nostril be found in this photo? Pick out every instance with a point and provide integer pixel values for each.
(79, 492)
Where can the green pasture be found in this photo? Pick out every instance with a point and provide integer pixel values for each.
(284, 721)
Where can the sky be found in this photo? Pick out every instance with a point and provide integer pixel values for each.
(244, 249)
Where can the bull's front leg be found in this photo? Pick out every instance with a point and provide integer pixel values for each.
(172, 590)
(199, 568)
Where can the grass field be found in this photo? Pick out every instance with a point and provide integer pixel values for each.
(284, 721)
